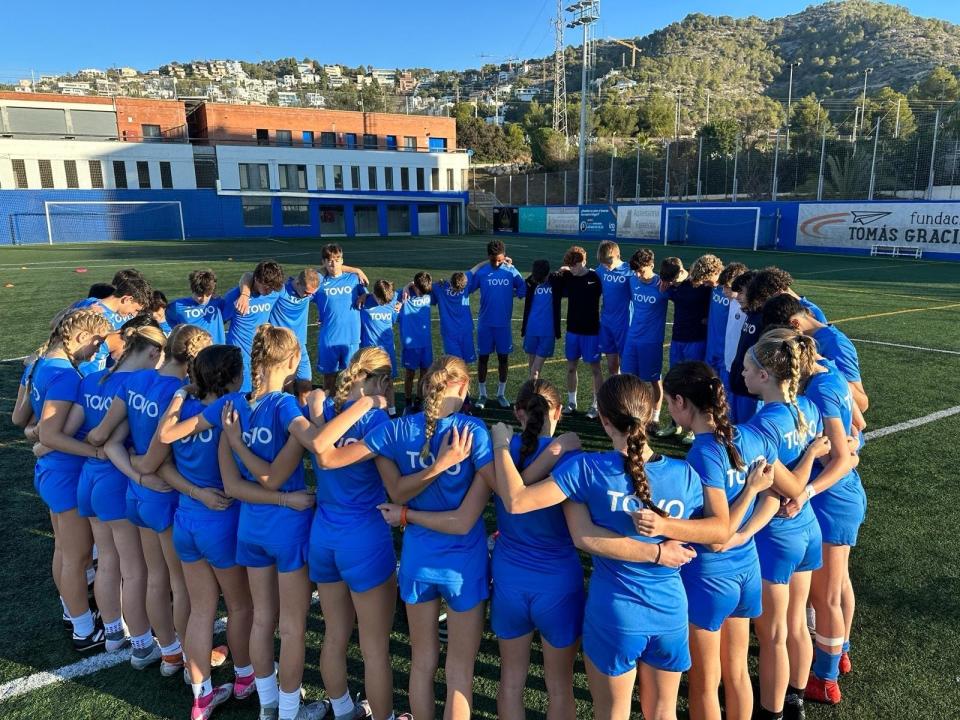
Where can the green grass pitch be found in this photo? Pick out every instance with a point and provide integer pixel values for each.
(906, 643)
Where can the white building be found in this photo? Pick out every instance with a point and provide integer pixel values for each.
(288, 99)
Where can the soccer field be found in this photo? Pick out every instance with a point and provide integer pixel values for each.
(901, 314)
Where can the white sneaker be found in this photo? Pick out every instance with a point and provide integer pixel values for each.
(569, 409)
(592, 412)
(146, 658)
(314, 711)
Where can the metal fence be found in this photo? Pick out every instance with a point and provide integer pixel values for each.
(877, 164)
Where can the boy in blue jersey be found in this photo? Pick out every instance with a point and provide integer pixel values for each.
(292, 311)
(415, 336)
(614, 276)
(202, 308)
(540, 329)
(338, 301)
(267, 281)
(773, 281)
(131, 294)
(377, 318)
(498, 284)
(743, 405)
(456, 321)
(158, 311)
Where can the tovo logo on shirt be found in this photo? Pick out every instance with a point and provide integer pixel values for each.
(417, 461)
(138, 402)
(259, 308)
(492, 282)
(330, 291)
(97, 402)
(627, 503)
(257, 436)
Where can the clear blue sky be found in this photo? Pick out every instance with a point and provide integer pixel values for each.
(66, 35)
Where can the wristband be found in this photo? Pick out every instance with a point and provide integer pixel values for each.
(656, 560)
(403, 516)
(810, 490)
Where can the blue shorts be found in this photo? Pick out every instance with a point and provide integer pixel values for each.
(57, 487)
(361, 567)
(151, 510)
(334, 358)
(287, 558)
(416, 358)
(713, 597)
(304, 371)
(687, 351)
(539, 345)
(613, 341)
(210, 536)
(558, 617)
(490, 339)
(786, 547)
(577, 346)
(614, 652)
(742, 407)
(460, 595)
(645, 360)
(460, 346)
(102, 492)
(840, 512)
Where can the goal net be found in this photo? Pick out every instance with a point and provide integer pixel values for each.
(99, 221)
(734, 227)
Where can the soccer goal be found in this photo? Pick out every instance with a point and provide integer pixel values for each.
(106, 220)
(725, 226)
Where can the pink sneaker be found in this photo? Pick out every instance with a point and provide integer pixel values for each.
(203, 707)
(244, 687)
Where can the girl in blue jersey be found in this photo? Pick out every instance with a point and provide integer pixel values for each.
(789, 547)
(723, 582)
(377, 318)
(636, 612)
(456, 320)
(45, 399)
(537, 575)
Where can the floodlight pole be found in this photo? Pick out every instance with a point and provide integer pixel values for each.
(585, 13)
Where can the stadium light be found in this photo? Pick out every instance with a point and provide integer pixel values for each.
(585, 13)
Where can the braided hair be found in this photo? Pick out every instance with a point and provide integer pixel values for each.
(444, 371)
(184, 343)
(65, 326)
(366, 362)
(137, 338)
(699, 384)
(627, 403)
(215, 368)
(536, 399)
(271, 346)
(784, 359)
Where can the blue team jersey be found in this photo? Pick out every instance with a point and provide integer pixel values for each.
(209, 317)
(415, 322)
(147, 394)
(292, 311)
(349, 495)
(196, 456)
(456, 320)
(265, 426)
(401, 440)
(830, 392)
(116, 320)
(498, 287)
(717, 327)
(376, 323)
(540, 320)
(54, 379)
(244, 327)
(336, 301)
(95, 398)
(648, 306)
(814, 310)
(709, 458)
(836, 346)
(615, 283)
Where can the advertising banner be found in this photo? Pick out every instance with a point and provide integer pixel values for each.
(638, 221)
(533, 220)
(598, 221)
(933, 227)
(505, 220)
(563, 220)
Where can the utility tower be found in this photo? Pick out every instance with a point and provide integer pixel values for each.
(560, 78)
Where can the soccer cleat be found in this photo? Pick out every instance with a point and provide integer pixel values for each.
(361, 711)
(668, 431)
(846, 667)
(504, 403)
(822, 691)
(569, 409)
(203, 707)
(116, 641)
(92, 642)
(142, 658)
(314, 711)
(592, 412)
(481, 403)
(793, 708)
(219, 655)
(268, 712)
(170, 665)
(244, 687)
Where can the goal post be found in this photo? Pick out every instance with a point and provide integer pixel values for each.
(741, 226)
(110, 220)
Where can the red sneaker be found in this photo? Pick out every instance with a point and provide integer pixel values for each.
(845, 665)
(822, 691)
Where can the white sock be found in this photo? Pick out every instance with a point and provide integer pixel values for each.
(483, 389)
(289, 704)
(267, 690)
(142, 641)
(201, 689)
(91, 575)
(173, 648)
(342, 705)
(113, 627)
(243, 671)
(501, 389)
(572, 397)
(82, 624)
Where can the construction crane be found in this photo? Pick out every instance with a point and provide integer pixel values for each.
(633, 49)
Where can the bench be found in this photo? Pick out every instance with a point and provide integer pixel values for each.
(896, 251)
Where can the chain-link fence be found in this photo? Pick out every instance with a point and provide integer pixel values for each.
(875, 164)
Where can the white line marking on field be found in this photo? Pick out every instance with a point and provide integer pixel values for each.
(907, 347)
(7, 360)
(910, 424)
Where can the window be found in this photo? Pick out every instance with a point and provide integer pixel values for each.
(420, 181)
(338, 177)
(450, 179)
(437, 144)
(205, 171)
(350, 140)
(46, 173)
(308, 138)
(151, 133)
(20, 173)
(254, 176)
(391, 142)
(435, 179)
(96, 174)
(370, 141)
(293, 177)
(257, 211)
(404, 178)
(119, 174)
(409, 142)
(331, 220)
(295, 211)
(328, 139)
(365, 220)
(166, 176)
(70, 170)
(263, 136)
(355, 177)
(372, 178)
(143, 174)
(284, 138)
(398, 219)
(388, 178)
(321, 178)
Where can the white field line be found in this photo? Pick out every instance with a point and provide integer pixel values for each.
(910, 424)
(907, 347)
